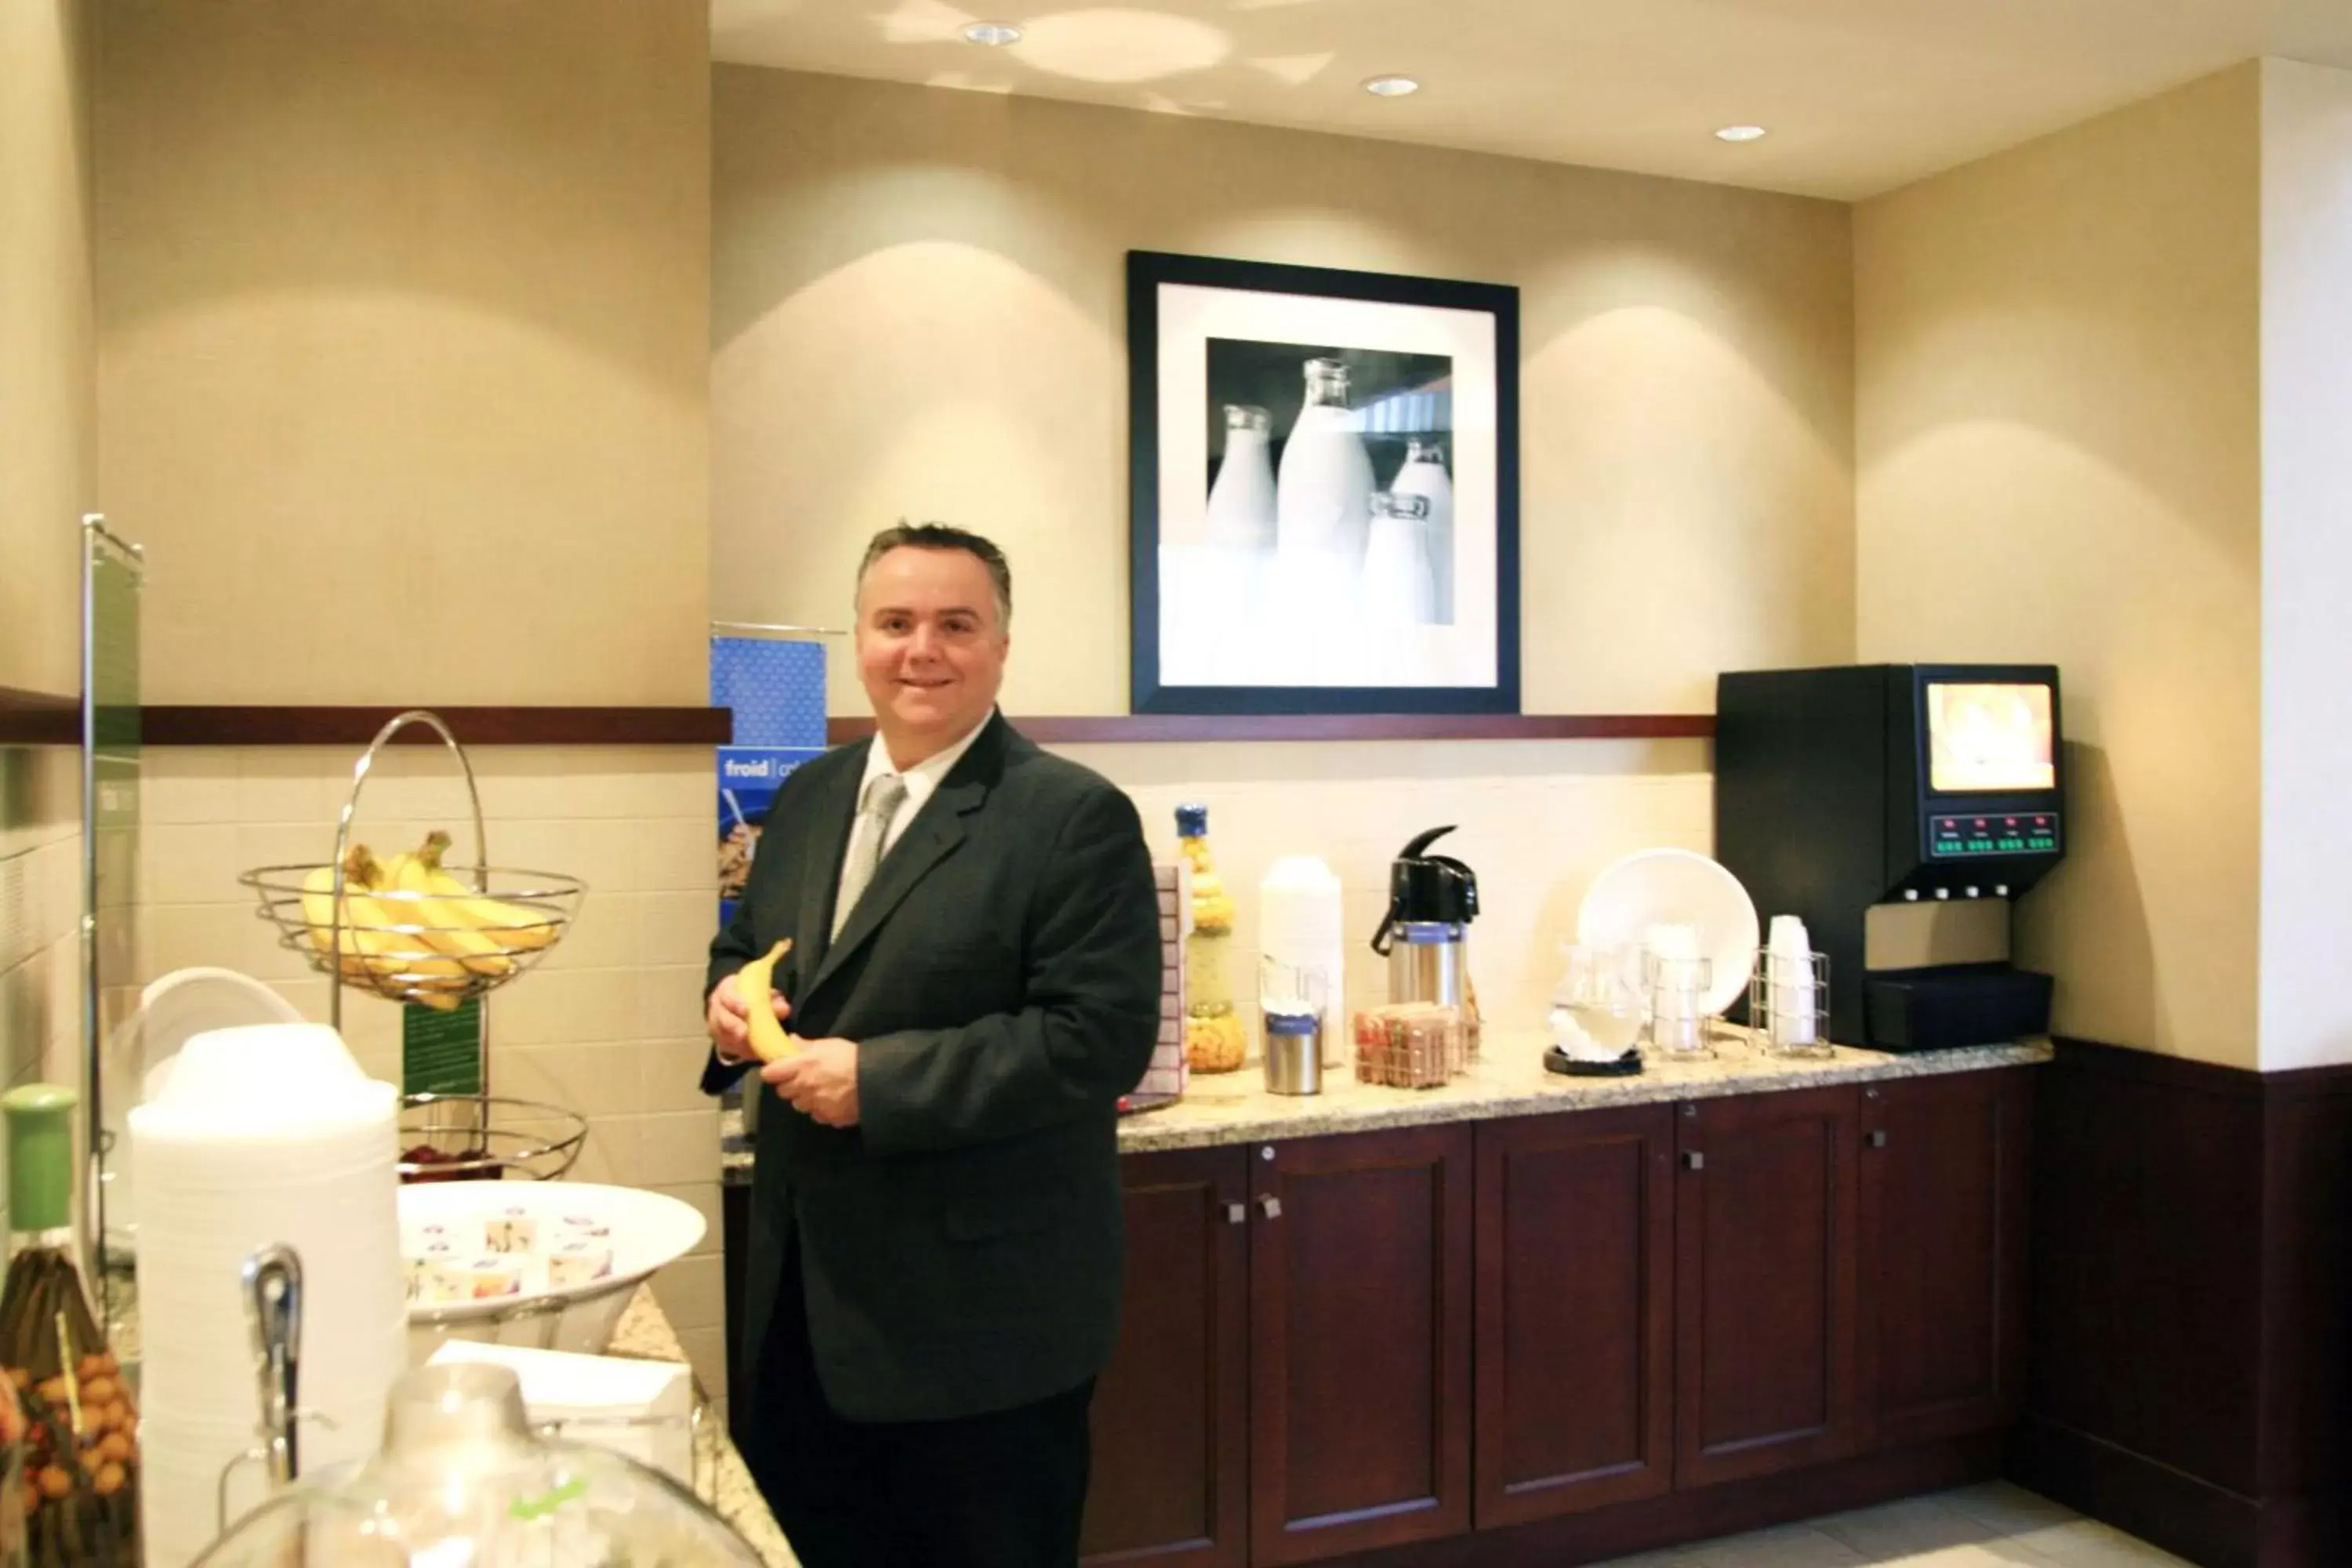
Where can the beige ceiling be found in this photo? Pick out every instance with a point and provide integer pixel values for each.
(1861, 95)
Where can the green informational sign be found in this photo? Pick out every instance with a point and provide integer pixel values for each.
(441, 1053)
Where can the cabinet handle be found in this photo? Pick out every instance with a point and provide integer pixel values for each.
(1878, 1138)
(1693, 1161)
(1269, 1205)
(1237, 1214)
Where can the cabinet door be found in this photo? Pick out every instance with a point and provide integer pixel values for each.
(1575, 1305)
(1360, 1356)
(1944, 1176)
(1170, 1413)
(1765, 1239)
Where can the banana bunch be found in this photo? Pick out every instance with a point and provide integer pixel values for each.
(410, 925)
(481, 931)
(380, 944)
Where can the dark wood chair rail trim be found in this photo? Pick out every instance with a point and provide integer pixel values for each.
(1124, 728)
(38, 718)
(2208, 1078)
(260, 726)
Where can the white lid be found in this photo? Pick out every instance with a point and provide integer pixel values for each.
(1299, 871)
(290, 1073)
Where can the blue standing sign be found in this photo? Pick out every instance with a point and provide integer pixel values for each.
(776, 689)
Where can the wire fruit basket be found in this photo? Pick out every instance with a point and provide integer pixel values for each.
(413, 928)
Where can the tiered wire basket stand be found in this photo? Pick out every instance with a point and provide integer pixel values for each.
(392, 955)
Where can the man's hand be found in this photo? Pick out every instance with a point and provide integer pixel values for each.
(821, 1081)
(730, 1034)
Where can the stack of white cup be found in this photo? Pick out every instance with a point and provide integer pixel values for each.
(262, 1135)
(1679, 980)
(1790, 994)
(1298, 925)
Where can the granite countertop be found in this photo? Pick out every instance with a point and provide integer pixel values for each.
(719, 1474)
(1508, 1079)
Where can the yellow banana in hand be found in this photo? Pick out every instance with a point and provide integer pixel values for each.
(510, 926)
(417, 873)
(753, 982)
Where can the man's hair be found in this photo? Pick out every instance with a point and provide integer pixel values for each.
(940, 536)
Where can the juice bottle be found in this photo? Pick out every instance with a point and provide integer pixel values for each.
(1216, 1039)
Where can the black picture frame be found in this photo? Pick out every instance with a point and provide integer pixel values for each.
(1147, 271)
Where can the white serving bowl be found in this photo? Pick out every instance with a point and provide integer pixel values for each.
(647, 1231)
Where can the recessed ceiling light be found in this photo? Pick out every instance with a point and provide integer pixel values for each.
(995, 34)
(1391, 86)
(1740, 133)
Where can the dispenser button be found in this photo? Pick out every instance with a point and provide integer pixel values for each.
(2000, 889)
(1943, 892)
(1972, 892)
(1911, 895)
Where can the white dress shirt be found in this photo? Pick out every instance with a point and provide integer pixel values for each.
(922, 781)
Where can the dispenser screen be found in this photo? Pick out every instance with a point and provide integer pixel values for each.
(1985, 737)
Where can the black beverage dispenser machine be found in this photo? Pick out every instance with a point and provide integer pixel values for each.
(1898, 809)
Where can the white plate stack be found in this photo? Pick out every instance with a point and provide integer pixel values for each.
(1298, 925)
(260, 1135)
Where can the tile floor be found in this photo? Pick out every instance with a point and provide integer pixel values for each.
(1976, 1527)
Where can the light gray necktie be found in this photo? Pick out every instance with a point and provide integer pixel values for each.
(884, 796)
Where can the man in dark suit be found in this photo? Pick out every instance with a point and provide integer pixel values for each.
(932, 1280)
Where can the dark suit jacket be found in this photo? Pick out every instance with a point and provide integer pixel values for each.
(959, 1247)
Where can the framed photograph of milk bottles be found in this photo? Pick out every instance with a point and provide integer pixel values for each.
(1324, 490)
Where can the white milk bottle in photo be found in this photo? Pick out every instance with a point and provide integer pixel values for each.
(1424, 474)
(1399, 586)
(1323, 497)
(1241, 501)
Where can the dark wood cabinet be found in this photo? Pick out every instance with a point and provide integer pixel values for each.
(1944, 1170)
(1766, 1203)
(1547, 1324)
(1360, 1353)
(1575, 1313)
(1171, 1411)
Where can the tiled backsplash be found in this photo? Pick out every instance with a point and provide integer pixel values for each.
(1535, 820)
(609, 1025)
(40, 914)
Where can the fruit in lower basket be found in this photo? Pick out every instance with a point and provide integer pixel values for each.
(416, 1162)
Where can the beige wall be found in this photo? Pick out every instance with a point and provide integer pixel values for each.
(403, 346)
(917, 310)
(2059, 443)
(2306, 345)
(48, 448)
(608, 1025)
